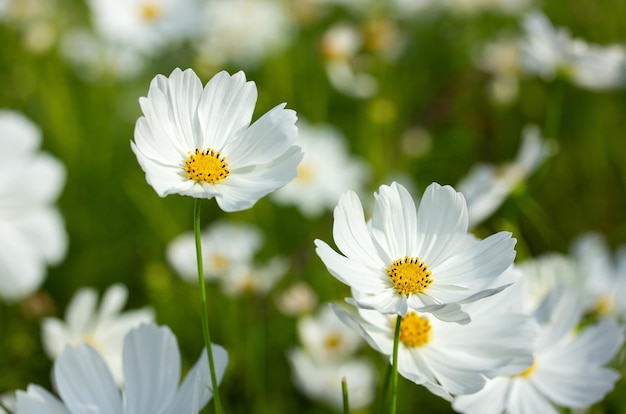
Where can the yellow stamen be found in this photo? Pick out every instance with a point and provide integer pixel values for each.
(150, 11)
(415, 330)
(527, 371)
(409, 275)
(208, 166)
(305, 173)
(332, 341)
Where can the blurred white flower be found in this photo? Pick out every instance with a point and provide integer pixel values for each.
(419, 259)
(103, 328)
(448, 358)
(145, 25)
(298, 299)
(568, 370)
(254, 278)
(602, 278)
(198, 141)
(598, 67)
(95, 59)
(325, 173)
(548, 51)
(32, 233)
(323, 381)
(225, 246)
(472, 7)
(545, 49)
(244, 32)
(341, 47)
(325, 337)
(152, 366)
(487, 186)
(501, 59)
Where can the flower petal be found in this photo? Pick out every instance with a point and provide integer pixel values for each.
(37, 400)
(151, 369)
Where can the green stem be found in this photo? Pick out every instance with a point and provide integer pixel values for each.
(203, 302)
(344, 391)
(384, 401)
(553, 117)
(394, 369)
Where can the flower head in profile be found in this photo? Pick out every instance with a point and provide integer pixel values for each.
(104, 328)
(32, 233)
(487, 186)
(199, 142)
(406, 258)
(151, 360)
(568, 368)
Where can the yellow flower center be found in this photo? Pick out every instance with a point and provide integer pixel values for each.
(409, 275)
(305, 173)
(208, 166)
(88, 339)
(415, 330)
(150, 11)
(527, 371)
(332, 341)
(605, 305)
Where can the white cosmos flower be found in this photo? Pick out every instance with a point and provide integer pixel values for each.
(325, 173)
(145, 26)
(32, 233)
(254, 278)
(225, 245)
(244, 32)
(407, 258)
(326, 338)
(602, 277)
(448, 358)
(104, 328)
(568, 370)
(151, 375)
(321, 381)
(297, 300)
(198, 141)
(598, 67)
(487, 186)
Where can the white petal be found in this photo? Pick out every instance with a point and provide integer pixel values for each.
(80, 311)
(37, 400)
(113, 301)
(352, 272)
(394, 221)
(54, 336)
(489, 400)
(243, 188)
(524, 398)
(264, 141)
(441, 221)
(151, 369)
(351, 234)
(226, 107)
(85, 383)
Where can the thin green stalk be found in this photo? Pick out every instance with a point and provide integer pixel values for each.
(555, 109)
(344, 391)
(384, 401)
(205, 318)
(394, 369)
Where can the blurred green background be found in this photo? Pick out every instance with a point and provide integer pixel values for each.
(119, 228)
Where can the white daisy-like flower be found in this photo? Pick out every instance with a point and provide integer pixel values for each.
(602, 277)
(32, 233)
(298, 299)
(448, 358)
(545, 49)
(151, 374)
(254, 278)
(407, 258)
(568, 370)
(326, 338)
(198, 141)
(487, 186)
(225, 245)
(598, 67)
(104, 328)
(145, 25)
(323, 381)
(244, 32)
(325, 173)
